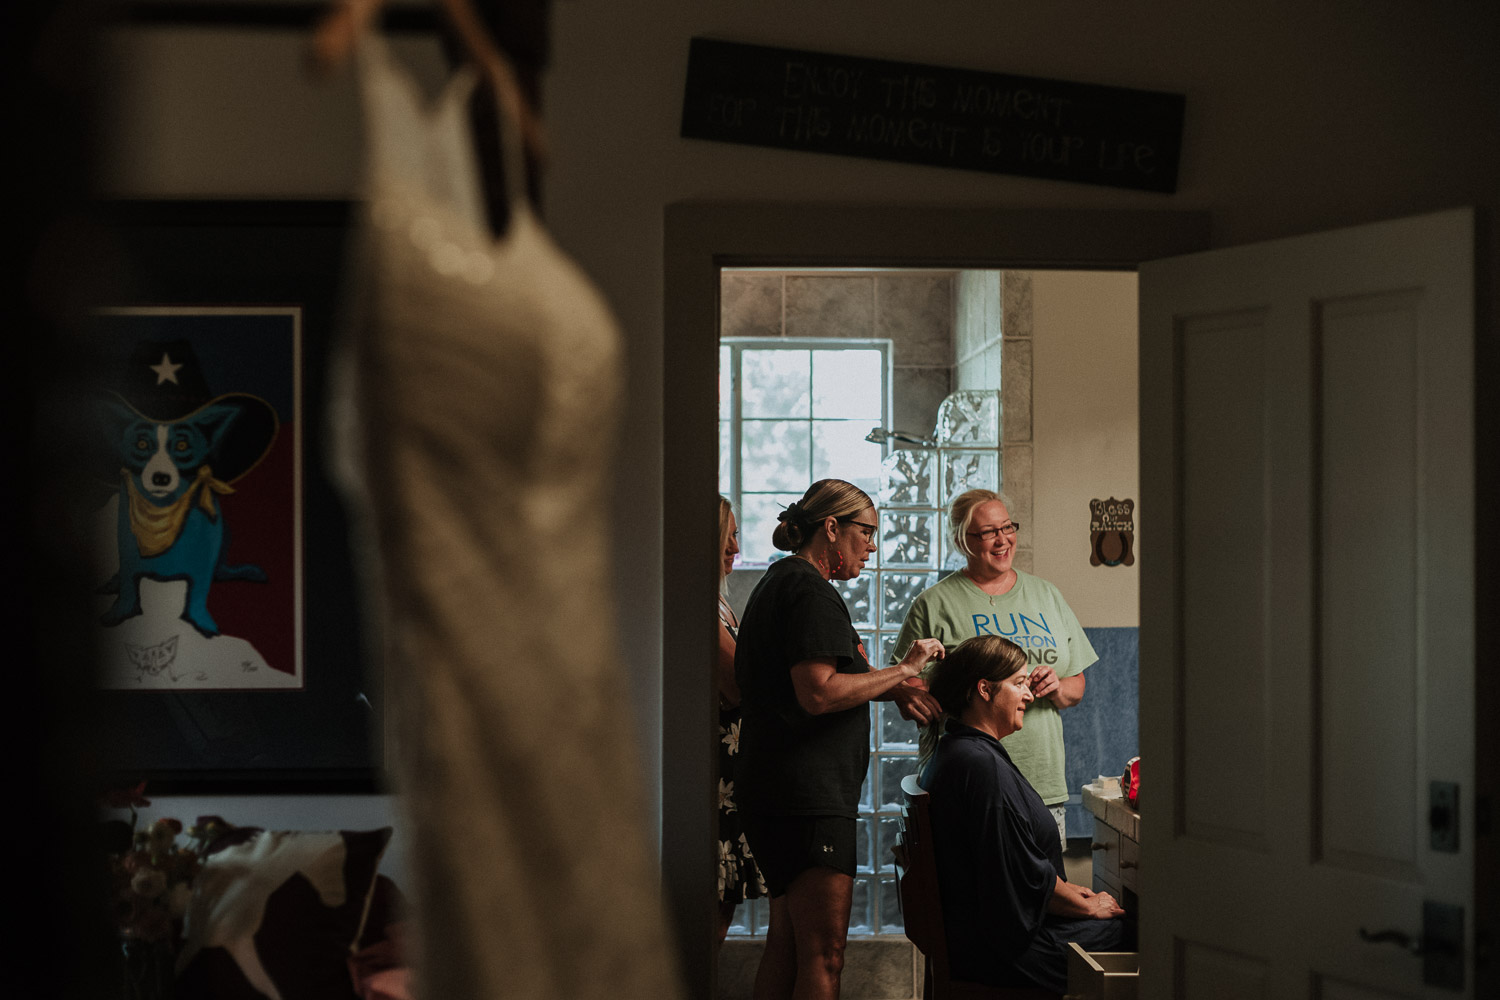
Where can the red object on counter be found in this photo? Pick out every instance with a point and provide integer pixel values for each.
(1130, 782)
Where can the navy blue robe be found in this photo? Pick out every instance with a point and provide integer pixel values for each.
(998, 859)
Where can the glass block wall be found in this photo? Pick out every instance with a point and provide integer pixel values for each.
(917, 484)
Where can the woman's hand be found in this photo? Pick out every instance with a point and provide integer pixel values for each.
(919, 654)
(1072, 900)
(1043, 681)
(914, 703)
(1102, 906)
(1064, 692)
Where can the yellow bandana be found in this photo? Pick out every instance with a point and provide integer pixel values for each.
(156, 528)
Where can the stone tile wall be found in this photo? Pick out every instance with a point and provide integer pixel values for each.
(912, 309)
(992, 350)
(1015, 404)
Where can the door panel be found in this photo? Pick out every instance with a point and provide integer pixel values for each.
(1224, 481)
(1367, 497)
(1307, 618)
(1212, 972)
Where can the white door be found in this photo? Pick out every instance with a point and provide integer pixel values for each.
(1307, 610)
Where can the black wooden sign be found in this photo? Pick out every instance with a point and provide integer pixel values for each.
(932, 115)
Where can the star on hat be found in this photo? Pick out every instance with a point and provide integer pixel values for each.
(166, 371)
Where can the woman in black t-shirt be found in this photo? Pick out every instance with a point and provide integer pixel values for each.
(805, 684)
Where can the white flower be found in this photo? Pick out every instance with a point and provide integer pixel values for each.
(726, 795)
(732, 738)
(728, 866)
(760, 879)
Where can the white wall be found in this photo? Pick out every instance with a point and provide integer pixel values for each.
(1300, 117)
(1084, 429)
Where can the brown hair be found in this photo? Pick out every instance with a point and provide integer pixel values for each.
(961, 514)
(955, 677)
(824, 499)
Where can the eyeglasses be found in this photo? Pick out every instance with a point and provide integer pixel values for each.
(870, 529)
(1007, 529)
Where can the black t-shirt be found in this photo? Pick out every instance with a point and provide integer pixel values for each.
(792, 763)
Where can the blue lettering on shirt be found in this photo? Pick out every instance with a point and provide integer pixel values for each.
(1019, 632)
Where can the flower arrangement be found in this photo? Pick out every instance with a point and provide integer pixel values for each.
(151, 874)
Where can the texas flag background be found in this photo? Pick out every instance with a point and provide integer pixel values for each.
(246, 350)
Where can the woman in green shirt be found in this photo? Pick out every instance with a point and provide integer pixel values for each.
(989, 596)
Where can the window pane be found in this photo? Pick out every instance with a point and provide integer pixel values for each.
(726, 381)
(840, 451)
(908, 539)
(890, 832)
(761, 909)
(774, 383)
(774, 456)
(725, 457)
(907, 479)
(757, 517)
(846, 385)
(969, 470)
(892, 769)
(897, 592)
(895, 732)
(890, 907)
(858, 595)
(859, 913)
(969, 419)
(862, 841)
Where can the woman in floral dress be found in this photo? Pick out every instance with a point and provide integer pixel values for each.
(739, 878)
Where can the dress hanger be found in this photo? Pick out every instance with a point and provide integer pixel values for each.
(349, 19)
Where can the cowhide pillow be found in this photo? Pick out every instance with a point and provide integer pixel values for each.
(277, 914)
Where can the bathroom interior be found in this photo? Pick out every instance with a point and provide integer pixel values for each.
(1021, 381)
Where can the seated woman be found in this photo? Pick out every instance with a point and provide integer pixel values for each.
(1008, 908)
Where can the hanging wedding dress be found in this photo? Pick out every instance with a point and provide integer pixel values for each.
(483, 381)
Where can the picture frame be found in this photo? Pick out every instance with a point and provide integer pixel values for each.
(252, 290)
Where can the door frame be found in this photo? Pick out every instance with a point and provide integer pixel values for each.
(700, 239)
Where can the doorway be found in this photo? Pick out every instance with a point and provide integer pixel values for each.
(701, 240)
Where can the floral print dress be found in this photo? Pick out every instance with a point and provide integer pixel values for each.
(739, 876)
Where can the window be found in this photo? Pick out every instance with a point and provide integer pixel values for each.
(792, 412)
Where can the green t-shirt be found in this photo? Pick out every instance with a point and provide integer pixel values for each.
(1034, 616)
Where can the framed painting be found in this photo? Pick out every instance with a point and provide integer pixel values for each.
(230, 651)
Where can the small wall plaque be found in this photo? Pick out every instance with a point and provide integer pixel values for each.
(1112, 532)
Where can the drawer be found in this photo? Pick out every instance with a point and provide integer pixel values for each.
(1106, 848)
(1130, 863)
(1102, 975)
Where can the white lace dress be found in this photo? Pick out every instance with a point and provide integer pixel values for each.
(481, 382)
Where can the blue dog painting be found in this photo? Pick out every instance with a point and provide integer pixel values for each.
(178, 449)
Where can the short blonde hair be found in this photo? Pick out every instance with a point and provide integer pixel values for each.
(961, 514)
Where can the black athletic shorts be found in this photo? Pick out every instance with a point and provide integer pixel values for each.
(786, 846)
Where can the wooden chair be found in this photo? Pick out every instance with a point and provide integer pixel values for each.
(922, 907)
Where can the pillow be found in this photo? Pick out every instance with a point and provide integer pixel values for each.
(277, 914)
